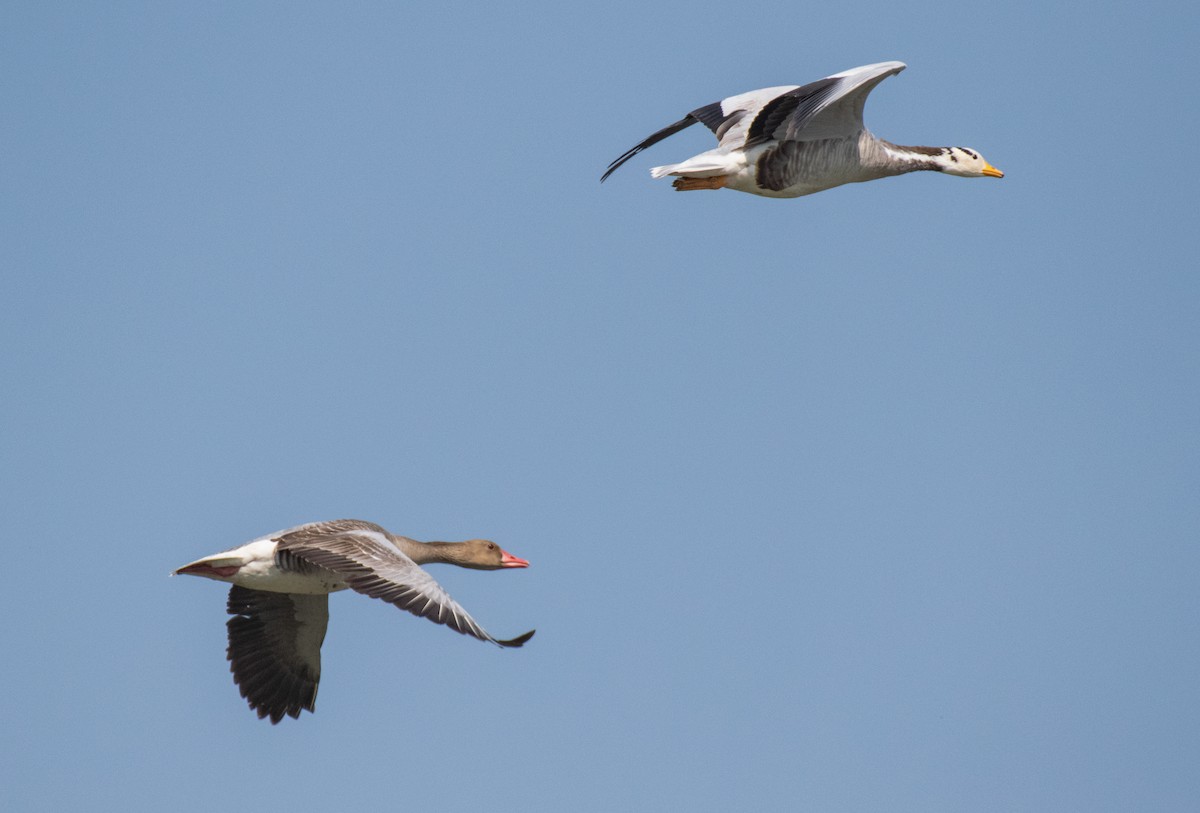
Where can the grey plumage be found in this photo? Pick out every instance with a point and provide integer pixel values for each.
(279, 599)
(795, 140)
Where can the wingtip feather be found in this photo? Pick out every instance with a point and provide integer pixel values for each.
(518, 641)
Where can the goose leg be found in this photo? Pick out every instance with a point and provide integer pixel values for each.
(692, 184)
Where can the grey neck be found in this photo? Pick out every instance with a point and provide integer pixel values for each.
(426, 553)
(897, 159)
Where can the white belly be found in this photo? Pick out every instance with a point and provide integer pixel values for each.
(259, 572)
(275, 580)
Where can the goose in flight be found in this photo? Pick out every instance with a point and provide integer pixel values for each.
(788, 141)
(280, 599)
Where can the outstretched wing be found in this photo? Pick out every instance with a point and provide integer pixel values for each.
(275, 649)
(727, 119)
(366, 559)
(828, 108)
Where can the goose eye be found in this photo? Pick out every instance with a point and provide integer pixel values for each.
(491, 546)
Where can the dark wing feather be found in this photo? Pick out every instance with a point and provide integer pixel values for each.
(275, 649)
(827, 108)
(711, 116)
(370, 564)
(787, 113)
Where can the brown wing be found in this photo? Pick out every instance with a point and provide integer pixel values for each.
(363, 555)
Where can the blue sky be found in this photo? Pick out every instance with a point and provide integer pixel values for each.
(880, 499)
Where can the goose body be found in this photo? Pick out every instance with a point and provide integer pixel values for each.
(792, 140)
(279, 599)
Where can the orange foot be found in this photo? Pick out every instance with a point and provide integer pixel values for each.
(692, 184)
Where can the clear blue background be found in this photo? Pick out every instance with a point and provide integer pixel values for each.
(881, 499)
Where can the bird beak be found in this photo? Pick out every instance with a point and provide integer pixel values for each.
(991, 171)
(508, 560)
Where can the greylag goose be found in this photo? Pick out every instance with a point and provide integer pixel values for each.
(788, 141)
(280, 599)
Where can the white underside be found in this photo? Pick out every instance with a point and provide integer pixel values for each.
(740, 170)
(258, 571)
(705, 165)
(736, 166)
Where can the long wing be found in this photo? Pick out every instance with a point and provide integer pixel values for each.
(362, 554)
(727, 119)
(275, 649)
(828, 108)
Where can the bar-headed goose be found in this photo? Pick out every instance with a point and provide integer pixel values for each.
(788, 141)
(280, 598)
